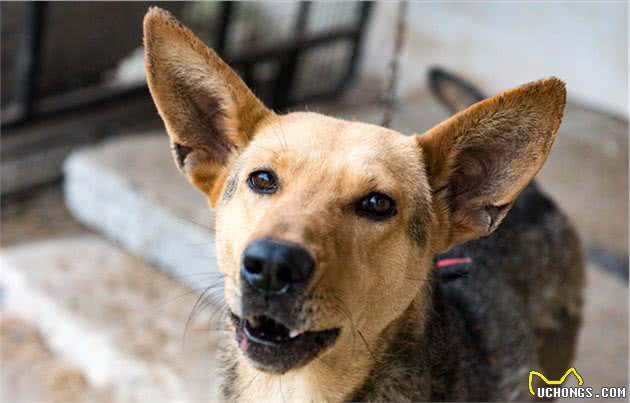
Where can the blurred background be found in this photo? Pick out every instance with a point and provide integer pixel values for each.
(107, 284)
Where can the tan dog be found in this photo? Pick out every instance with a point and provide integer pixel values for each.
(326, 231)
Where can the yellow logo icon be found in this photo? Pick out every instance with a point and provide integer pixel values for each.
(558, 382)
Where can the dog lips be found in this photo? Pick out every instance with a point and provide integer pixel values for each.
(244, 345)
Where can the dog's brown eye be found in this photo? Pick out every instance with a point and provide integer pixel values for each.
(263, 182)
(377, 206)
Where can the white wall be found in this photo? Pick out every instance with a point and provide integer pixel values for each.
(498, 45)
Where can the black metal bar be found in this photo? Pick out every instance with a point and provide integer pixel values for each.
(79, 103)
(364, 15)
(226, 14)
(279, 50)
(247, 75)
(28, 57)
(58, 106)
(285, 78)
(80, 100)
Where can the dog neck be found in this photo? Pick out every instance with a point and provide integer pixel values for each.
(346, 373)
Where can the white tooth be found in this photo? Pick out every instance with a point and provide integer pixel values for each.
(293, 333)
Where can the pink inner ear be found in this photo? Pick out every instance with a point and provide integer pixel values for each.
(481, 175)
(470, 172)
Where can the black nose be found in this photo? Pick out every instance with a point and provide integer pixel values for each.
(275, 267)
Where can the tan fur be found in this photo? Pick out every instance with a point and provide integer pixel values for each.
(367, 272)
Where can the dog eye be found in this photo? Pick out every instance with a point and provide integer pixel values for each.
(377, 206)
(263, 182)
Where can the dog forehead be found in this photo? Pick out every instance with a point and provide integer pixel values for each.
(335, 141)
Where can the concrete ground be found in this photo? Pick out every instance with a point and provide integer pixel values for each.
(587, 174)
(32, 373)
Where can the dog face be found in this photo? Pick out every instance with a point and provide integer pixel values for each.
(325, 228)
(320, 216)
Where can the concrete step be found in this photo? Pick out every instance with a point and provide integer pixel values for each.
(130, 190)
(32, 373)
(117, 320)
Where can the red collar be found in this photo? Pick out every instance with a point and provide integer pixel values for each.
(452, 268)
(440, 263)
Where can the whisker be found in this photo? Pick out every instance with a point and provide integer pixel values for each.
(246, 386)
(346, 311)
(366, 345)
(194, 311)
(417, 279)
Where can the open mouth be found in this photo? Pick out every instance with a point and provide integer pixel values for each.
(273, 347)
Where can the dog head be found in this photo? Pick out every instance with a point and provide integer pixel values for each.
(326, 227)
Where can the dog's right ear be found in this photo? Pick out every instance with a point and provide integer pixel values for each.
(207, 109)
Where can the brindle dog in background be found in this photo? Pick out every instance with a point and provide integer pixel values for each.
(326, 232)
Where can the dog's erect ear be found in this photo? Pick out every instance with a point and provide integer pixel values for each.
(479, 160)
(207, 109)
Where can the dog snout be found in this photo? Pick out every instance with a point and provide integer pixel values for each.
(276, 267)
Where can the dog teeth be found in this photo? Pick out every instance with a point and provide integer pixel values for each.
(293, 334)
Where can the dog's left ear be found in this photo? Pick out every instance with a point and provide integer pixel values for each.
(479, 160)
(207, 109)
